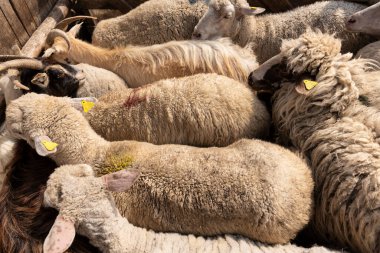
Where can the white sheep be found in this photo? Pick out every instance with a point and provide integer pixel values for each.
(251, 188)
(367, 21)
(318, 111)
(86, 205)
(367, 108)
(144, 65)
(200, 110)
(233, 18)
(153, 22)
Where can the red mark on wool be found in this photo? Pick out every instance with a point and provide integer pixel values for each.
(135, 98)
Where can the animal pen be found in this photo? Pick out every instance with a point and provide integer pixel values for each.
(173, 138)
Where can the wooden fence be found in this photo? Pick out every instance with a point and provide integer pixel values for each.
(19, 19)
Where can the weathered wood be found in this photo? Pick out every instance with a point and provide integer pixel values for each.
(35, 44)
(24, 15)
(14, 22)
(8, 38)
(39, 9)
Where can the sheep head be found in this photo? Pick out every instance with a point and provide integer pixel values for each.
(223, 18)
(79, 195)
(37, 117)
(365, 21)
(58, 44)
(314, 67)
(54, 79)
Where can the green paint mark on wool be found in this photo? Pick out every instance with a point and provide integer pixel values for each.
(116, 163)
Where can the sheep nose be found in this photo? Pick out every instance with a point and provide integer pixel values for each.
(196, 36)
(351, 20)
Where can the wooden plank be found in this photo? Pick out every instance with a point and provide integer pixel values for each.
(15, 23)
(8, 38)
(24, 15)
(39, 9)
(35, 44)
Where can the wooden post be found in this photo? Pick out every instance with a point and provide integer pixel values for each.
(34, 45)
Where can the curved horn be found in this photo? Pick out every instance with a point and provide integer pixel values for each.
(4, 58)
(260, 72)
(57, 33)
(22, 63)
(67, 21)
(18, 85)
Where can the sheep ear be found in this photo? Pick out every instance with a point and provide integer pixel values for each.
(44, 145)
(250, 11)
(60, 237)
(83, 104)
(120, 181)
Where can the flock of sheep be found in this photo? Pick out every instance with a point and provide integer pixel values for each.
(147, 141)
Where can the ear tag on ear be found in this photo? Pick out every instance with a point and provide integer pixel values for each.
(309, 84)
(49, 145)
(253, 8)
(87, 105)
(44, 145)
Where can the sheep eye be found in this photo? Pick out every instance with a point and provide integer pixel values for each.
(227, 16)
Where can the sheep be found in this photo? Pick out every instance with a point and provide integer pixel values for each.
(153, 22)
(258, 189)
(367, 21)
(24, 221)
(81, 80)
(144, 65)
(199, 110)
(314, 110)
(365, 110)
(85, 202)
(233, 18)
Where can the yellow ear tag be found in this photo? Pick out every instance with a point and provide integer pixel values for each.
(253, 8)
(49, 145)
(309, 84)
(87, 105)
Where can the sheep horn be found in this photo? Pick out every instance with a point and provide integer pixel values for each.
(64, 23)
(57, 33)
(259, 73)
(22, 63)
(4, 58)
(19, 85)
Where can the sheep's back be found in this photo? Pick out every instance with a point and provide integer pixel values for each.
(153, 22)
(251, 188)
(371, 51)
(200, 110)
(99, 81)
